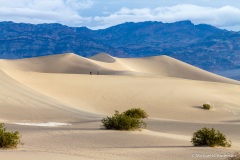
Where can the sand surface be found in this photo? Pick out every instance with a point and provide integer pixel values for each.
(37, 95)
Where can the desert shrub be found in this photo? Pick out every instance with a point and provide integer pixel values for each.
(123, 121)
(136, 113)
(210, 137)
(235, 157)
(207, 106)
(8, 139)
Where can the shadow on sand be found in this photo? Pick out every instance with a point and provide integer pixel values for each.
(198, 107)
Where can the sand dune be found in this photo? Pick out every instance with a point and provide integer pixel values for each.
(170, 67)
(161, 97)
(107, 65)
(63, 63)
(19, 102)
(103, 57)
(59, 90)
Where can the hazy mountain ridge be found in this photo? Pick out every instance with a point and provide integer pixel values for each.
(202, 45)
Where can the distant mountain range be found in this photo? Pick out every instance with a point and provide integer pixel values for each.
(201, 45)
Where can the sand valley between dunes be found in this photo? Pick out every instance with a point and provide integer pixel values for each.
(57, 106)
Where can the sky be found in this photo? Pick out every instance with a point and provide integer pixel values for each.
(99, 14)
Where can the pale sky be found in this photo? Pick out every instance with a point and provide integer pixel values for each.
(97, 14)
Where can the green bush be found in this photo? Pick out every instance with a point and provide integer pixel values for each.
(136, 113)
(210, 137)
(125, 121)
(207, 106)
(8, 139)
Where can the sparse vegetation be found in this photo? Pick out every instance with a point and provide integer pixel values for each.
(8, 139)
(128, 120)
(235, 157)
(210, 137)
(207, 106)
(136, 113)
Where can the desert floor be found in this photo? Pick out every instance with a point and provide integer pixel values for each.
(59, 89)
